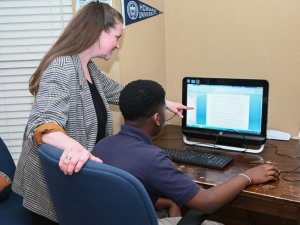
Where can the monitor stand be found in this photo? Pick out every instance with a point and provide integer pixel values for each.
(226, 147)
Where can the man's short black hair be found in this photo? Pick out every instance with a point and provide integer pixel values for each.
(141, 99)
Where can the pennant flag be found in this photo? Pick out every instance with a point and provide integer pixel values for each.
(136, 11)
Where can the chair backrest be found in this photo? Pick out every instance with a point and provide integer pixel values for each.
(7, 164)
(11, 210)
(97, 194)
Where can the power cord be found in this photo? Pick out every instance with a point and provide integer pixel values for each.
(171, 118)
(222, 132)
(258, 214)
(290, 172)
(287, 156)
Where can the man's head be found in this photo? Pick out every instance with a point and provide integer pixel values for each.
(142, 103)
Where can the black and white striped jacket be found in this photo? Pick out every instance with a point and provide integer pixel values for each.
(63, 98)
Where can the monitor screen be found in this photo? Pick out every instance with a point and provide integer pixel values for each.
(235, 107)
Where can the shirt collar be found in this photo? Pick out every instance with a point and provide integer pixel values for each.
(135, 133)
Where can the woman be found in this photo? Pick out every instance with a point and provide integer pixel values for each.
(71, 109)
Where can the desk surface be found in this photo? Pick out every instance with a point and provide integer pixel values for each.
(280, 198)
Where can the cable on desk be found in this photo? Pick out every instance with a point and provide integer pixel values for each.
(290, 172)
(258, 214)
(222, 132)
(166, 134)
(288, 156)
(287, 172)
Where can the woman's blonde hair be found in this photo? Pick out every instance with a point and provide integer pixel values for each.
(81, 33)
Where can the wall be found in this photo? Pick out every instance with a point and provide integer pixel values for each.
(238, 39)
(233, 39)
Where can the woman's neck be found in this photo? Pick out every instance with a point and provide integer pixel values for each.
(84, 57)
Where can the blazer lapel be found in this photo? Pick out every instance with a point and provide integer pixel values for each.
(89, 113)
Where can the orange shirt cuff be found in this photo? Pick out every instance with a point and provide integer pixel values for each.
(46, 129)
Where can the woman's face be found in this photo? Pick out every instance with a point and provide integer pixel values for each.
(109, 41)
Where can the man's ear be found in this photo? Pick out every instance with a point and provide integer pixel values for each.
(155, 119)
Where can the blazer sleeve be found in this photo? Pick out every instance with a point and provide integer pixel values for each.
(111, 89)
(51, 103)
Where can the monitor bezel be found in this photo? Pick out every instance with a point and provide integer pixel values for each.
(229, 136)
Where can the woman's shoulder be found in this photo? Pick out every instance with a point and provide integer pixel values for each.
(62, 61)
(61, 69)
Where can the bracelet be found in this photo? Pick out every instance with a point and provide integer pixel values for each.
(246, 177)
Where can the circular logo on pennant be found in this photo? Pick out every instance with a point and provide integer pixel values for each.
(132, 10)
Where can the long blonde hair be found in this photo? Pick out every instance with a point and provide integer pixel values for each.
(81, 33)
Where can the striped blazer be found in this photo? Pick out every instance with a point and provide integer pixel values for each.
(63, 98)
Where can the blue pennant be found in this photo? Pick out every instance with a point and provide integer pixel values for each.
(136, 11)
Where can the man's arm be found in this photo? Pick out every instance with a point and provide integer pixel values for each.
(209, 200)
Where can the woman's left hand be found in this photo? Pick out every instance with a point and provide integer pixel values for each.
(176, 108)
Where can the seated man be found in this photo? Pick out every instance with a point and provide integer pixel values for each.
(142, 104)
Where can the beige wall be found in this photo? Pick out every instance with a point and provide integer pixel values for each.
(238, 39)
(217, 38)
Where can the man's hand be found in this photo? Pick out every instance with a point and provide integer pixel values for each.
(263, 173)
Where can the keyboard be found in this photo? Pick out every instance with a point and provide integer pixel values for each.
(206, 160)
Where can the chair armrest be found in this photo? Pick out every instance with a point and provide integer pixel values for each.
(193, 217)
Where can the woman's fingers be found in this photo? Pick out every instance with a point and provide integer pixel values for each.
(82, 160)
(73, 163)
(64, 161)
(70, 158)
(73, 159)
(94, 158)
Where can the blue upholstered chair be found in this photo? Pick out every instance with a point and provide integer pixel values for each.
(99, 194)
(11, 210)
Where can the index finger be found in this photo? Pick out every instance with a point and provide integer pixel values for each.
(187, 107)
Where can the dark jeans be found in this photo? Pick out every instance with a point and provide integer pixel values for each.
(40, 220)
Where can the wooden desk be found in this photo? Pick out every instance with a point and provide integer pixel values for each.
(280, 198)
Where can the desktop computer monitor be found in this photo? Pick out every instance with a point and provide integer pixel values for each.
(231, 111)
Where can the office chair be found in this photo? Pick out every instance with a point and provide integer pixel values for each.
(100, 194)
(11, 210)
